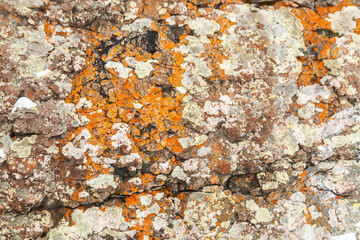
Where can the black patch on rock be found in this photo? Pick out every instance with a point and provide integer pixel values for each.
(148, 42)
(123, 173)
(175, 32)
(244, 183)
(328, 33)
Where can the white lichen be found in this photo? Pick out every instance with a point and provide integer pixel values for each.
(102, 181)
(24, 102)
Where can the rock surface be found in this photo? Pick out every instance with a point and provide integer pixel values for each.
(197, 119)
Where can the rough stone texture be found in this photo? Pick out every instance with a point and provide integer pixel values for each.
(198, 119)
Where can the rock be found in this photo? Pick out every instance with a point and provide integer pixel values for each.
(200, 119)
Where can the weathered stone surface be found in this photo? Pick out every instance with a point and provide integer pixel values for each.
(199, 119)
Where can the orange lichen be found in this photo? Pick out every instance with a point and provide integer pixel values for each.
(145, 226)
(132, 200)
(181, 196)
(76, 195)
(146, 178)
(312, 72)
(49, 30)
(308, 217)
(68, 218)
(357, 29)
(318, 38)
(224, 23)
(173, 144)
(64, 33)
(324, 115)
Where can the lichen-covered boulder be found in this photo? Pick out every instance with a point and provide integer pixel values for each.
(198, 119)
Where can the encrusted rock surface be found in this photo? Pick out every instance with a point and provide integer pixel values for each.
(194, 119)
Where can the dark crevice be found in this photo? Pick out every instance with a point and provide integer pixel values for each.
(327, 33)
(21, 134)
(243, 184)
(167, 90)
(185, 191)
(123, 173)
(263, 2)
(329, 190)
